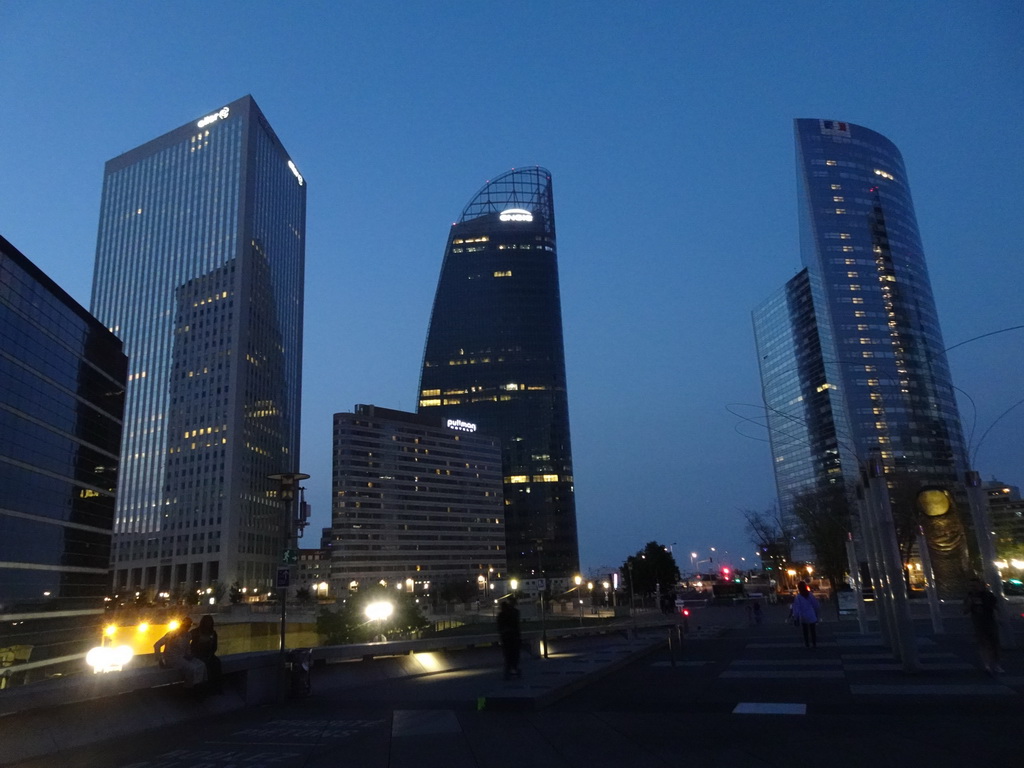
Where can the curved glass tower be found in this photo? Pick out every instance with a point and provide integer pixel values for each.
(494, 360)
(851, 353)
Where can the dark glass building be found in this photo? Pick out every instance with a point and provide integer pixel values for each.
(494, 357)
(199, 269)
(851, 353)
(62, 383)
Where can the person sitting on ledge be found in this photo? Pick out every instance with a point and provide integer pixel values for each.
(174, 650)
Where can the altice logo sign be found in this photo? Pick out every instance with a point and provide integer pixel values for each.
(462, 426)
(220, 115)
(515, 214)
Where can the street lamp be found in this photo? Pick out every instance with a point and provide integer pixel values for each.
(579, 596)
(288, 482)
(379, 611)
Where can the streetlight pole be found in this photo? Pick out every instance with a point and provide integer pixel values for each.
(579, 595)
(543, 589)
(288, 483)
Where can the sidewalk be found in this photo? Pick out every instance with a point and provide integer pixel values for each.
(733, 695)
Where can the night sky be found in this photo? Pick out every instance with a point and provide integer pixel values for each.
(667, 127)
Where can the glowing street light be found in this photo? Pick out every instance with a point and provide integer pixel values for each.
(379, 611)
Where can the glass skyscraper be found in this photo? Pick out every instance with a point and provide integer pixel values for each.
(494, 358)
(62, 387)
(199, 269)
(850, 351)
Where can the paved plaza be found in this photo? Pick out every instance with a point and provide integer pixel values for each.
(733, 694)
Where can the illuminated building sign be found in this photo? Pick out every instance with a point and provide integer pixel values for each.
(515, 214)
(221, 115)
(462, 426)
(295, 171)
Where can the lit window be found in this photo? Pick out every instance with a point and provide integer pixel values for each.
(838, 199)
(840, 210)
(847, 249)
(430, 392)
(830, 162)
(837, 186)
(885, 175)
(504, 273)
(851, 274)
(854, 286)
(430, 402)
(518, 479)
(844, 235)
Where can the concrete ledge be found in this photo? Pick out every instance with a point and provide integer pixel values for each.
(53, 716)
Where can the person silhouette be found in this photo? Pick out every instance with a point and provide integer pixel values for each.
(508, 631)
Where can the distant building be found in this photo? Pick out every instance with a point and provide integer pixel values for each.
(1006, 510)
(850, 351)
(414, 499)
(494, 357)
(62, 381)
(200, 270)
(314, 571)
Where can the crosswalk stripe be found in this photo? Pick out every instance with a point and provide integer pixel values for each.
(769, 708)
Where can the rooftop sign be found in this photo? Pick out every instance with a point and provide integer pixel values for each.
(462, 426)
(221, 115)
(296, 172)
(515, 214)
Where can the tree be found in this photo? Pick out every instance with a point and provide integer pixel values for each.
(348, 623)
(652, 566)
(770, 536)
(825, 520)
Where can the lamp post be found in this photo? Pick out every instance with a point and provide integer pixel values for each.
(579, 595)
(379, 611)
(543, 589)
(288, 482)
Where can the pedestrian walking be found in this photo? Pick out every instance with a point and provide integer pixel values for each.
(805, 612)
(174, 650)
(981, 605)
(508, 632)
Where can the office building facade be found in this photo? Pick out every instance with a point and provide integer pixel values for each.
(199, 269)
(494, 356)
(850, 351)
(62, 384)
(417, 502)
